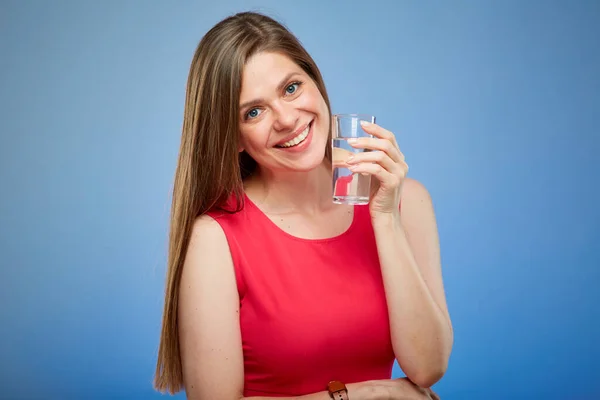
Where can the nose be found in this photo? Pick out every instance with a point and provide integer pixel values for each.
(286, 117)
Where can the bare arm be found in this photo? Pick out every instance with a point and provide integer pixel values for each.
(209, 331)
(210, 339)
(385, 389)
(409, 253)
(313, 396)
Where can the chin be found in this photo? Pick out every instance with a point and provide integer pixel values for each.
(311, 164)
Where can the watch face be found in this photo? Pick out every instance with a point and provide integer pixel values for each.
(336, 386)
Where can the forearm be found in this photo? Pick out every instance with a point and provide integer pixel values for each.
(367, 390)
(313, 396)
(421, 332)
(355, 392)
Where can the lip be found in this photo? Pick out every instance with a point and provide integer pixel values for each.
(294, 134)
(302, 146)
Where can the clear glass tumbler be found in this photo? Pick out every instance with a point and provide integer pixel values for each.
(349, 187)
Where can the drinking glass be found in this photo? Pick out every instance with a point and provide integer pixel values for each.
(349, 187)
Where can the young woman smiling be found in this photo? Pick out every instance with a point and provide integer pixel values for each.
(272, 289)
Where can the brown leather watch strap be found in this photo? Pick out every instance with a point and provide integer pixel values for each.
(337, 390)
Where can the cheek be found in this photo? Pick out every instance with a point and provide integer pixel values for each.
(320, 105)
(243, 141)
(311, 99)
(253, 138)
(246, 141)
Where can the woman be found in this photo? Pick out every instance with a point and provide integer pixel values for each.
(273, 290)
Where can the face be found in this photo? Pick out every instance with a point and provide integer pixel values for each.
(284, 120)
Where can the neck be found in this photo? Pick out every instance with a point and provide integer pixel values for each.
(286, 192)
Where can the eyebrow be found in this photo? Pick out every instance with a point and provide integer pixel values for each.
(280, 87)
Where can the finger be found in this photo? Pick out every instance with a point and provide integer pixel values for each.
(340, 156)
(378, 144)
(378, 157)
(379, 132)
(386, 178)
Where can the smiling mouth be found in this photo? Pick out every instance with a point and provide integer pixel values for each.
(297, 140)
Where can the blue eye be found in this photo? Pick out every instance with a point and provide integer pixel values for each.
(291, 89)
(252, 113)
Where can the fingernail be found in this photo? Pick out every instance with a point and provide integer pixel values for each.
(365, 123)
(349, 160)
(352, 140)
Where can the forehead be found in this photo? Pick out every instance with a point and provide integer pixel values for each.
(263, 72)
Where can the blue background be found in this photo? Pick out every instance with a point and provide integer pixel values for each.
(496, 105)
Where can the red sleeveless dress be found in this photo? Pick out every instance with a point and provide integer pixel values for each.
(311, 311)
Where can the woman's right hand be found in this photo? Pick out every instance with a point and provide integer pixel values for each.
(389, 389)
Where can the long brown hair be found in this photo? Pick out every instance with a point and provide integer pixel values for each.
(210, 169)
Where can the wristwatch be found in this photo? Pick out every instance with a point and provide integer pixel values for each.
(337, 390)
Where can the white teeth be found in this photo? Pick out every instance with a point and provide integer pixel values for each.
(297, 139)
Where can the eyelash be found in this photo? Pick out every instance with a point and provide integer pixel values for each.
(299, 83)
(294, 83)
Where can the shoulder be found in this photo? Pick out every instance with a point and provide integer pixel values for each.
(416, 203)
(413, 191)
(208, 257)
(206, 226)
(207, 239)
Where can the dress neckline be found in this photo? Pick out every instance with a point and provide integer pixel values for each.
(355, 211)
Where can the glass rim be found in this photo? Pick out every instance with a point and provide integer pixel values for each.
(353, 115)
